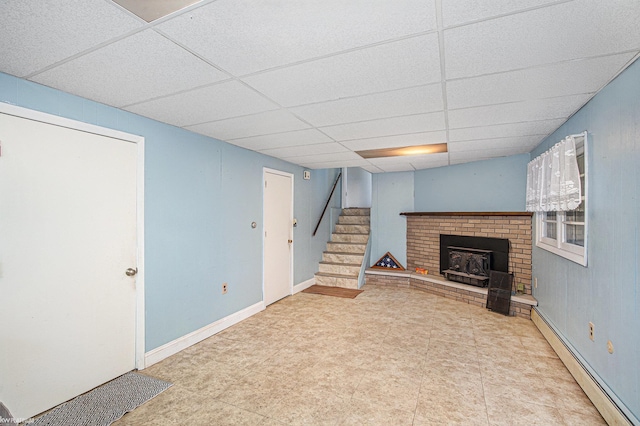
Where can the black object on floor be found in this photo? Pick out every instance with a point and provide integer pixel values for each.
(499, 292)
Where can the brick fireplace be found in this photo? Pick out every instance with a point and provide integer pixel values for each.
(424, 229)
(423, 251)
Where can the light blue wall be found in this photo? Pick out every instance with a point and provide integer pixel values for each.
(358, 187)
(392, 195)
(606, 291)
(496, 185)
(201, 196)
(492, 185)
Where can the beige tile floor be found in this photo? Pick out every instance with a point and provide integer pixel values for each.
(392, 356)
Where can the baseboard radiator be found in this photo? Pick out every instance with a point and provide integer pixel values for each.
(610, 410)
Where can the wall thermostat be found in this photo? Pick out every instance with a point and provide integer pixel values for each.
(307, 175)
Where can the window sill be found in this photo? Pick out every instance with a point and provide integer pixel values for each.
(579, 258)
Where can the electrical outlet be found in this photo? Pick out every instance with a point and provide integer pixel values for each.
(591, 331)
(535, 282)
(224, 288)
(610, 347)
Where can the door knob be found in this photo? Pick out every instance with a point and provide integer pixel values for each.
(290, 241)
(131, 272)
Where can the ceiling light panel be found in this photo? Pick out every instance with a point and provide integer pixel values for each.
(244, 36)
(403, 151)
(379, 105)
(561, 79)
(137, 68)
(540, 109)
(278, 140)
(552, 34)
(35, 35)
(250, 125)
(405, 63)
(204, 105)
(156, 9)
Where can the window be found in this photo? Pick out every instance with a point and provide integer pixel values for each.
(565, 233)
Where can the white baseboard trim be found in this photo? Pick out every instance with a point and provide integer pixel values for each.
(303, 285)
(181, 343)
(609, 410)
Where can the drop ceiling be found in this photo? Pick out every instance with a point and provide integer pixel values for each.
(312, 82)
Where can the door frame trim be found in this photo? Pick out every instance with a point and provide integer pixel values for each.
(56, 120)
(266, 170)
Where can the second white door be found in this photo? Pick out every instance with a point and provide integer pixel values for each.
(278, 238)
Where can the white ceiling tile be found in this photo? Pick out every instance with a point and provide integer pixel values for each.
(456, 12)
(153, 10)
(305, 150)
(431, 165)
(405, 63)
(541, 109)
(484, 154)
(263, 123)
(431, 161)
(372, 169)
(35, 35)
(319, 158)
(424, 138)
(369, 107)
(524, 144)
(527, 128)
(279, 140)
(387, 126)
(216, 102)
(137, 68)
(565, 31)
(245, 36)
(300, 151)
(397, 167)
(561, 79)
(332, 164)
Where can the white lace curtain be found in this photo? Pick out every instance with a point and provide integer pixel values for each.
(553, 179)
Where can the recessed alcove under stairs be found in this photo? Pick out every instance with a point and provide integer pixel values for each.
(342, 261)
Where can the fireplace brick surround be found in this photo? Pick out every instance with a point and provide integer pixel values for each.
(423, 251)
(424, 229)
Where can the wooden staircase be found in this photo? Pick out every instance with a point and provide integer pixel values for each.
(342, 260)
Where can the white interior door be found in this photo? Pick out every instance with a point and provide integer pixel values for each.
(278, 244)
(67, 236)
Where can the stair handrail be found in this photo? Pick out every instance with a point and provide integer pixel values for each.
(327, 204)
